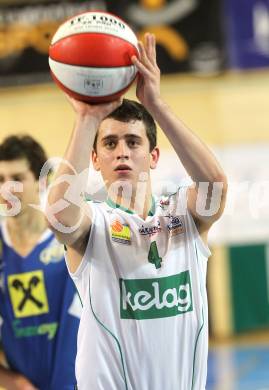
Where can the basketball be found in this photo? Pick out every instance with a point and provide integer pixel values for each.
(90, 57)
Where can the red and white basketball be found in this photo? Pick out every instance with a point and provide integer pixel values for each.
(90, 57)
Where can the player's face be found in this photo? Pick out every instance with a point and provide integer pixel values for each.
(25, 190)
(122, 151)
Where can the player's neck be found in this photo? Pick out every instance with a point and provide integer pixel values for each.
(139, 203)
(25, 231)
(27, 224)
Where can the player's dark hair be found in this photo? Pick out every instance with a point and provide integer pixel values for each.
(16, 147)
(131, 110)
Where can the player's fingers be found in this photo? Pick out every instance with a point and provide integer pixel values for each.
(153, 49)
(111, 106)
(150, 47)
(143, 55)
(140, 81)
(141, 67)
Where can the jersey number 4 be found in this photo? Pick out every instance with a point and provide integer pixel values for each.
(153, 256)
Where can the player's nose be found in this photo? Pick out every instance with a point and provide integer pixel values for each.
(122, 150)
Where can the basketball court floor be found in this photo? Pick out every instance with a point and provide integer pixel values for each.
(239, 367)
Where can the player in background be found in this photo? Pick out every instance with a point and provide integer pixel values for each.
(139, 262)
(39, 312)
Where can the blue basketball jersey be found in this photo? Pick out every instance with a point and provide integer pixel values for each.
(40, 313)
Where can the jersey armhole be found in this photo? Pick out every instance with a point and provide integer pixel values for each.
(86, 258)
(201, 246)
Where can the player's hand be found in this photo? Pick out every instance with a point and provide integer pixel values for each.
(94, 111)
(148, 82)
(19, 382)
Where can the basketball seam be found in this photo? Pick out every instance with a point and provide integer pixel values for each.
(95, 67)
(97, 33)
(93, 96)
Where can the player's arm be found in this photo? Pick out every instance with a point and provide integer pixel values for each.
(198, 160)
(10, 380)
(67, 213)
(210, 182)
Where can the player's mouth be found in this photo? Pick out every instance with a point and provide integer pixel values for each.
(123, 168)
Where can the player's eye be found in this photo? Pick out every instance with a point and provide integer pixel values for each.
(132, 143)
(110, 144)
(17, 178)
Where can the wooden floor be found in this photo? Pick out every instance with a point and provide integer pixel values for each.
(239, 363)
(238, 368)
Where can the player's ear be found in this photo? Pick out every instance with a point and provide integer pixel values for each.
(95, 161)
(155, 154)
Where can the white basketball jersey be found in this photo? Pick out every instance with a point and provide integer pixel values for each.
(142, 284)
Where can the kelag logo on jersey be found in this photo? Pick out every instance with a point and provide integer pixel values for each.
(143, 299)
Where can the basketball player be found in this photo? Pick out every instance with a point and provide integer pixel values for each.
(139, 262)
(37, 297)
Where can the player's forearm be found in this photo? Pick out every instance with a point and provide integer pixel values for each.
(81, 143)
(70, 180)
(198, 160)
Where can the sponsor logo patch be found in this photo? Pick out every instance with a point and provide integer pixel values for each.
(120, 232)
(150, 230)
(28, 294)
(165, 202)
(52, 254)
(48, 329)
(175, 225)
(142, 299)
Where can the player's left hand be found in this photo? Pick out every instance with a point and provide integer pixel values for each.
(148, 82)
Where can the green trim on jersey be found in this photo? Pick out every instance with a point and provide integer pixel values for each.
(199, 331)
(79, 296)
(65, 249)
(117, 206)
(114, 337)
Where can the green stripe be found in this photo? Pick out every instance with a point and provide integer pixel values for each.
(114, 337)
(118, 206)
(199, 332)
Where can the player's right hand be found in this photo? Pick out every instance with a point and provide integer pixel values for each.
(95, 111)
